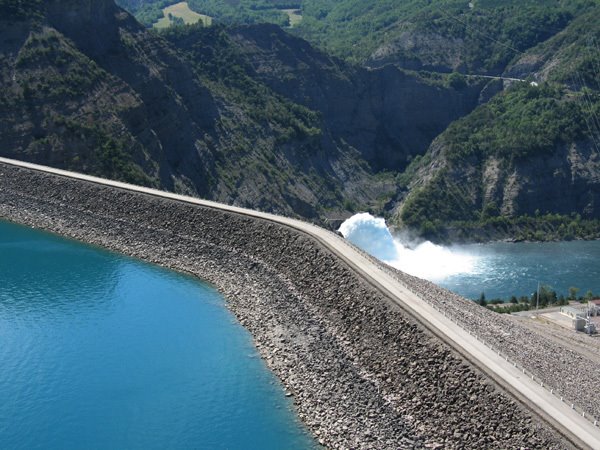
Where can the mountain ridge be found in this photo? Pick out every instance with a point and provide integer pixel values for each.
(254, 116)
(94, 91)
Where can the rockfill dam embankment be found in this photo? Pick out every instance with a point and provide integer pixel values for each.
(363, 374)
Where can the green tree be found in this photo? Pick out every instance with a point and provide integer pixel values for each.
(573, 293)
(490, 210)
(457, 81)
(544, 297)
(482, 301)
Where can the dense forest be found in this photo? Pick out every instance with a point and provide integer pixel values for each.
(524, 164)
(481, 36)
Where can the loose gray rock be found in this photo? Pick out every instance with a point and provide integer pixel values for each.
(362, 374)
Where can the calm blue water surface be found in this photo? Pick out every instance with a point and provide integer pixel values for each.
(504, 269)
(102, 351)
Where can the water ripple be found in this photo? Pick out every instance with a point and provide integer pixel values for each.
(101, 351)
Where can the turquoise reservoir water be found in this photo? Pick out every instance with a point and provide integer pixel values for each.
(102, 351)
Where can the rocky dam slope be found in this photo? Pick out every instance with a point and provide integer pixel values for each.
(363, 373)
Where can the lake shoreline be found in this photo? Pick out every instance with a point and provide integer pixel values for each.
(97, 322)
(513, 234)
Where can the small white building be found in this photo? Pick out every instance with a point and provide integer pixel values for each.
(572, 311)
(577, 315)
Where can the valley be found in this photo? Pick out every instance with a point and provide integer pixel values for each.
(245, 128)
(452, 150)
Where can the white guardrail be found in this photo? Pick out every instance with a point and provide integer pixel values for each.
(552, 390)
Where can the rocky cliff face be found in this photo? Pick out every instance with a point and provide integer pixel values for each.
(565, 181)
(88, 88)
(388, 115)
(422, 50)
(568, 181)
(474, 188)
(92, 90)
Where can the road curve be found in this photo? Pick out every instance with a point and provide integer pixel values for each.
(492, 77)
(558, 414)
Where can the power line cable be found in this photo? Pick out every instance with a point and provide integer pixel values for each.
(595, 58)
(589, 127)
(589, 101)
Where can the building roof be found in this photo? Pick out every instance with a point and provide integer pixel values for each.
(596, 301)
(574, 309)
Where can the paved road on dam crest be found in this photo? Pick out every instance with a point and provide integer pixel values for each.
(550, 407)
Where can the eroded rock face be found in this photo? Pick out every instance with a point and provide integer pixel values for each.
(77, 11)
(567, 181)
(92, 17)
(421, 51)
(385, 113)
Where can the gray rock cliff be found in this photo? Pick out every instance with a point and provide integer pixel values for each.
(389, 115)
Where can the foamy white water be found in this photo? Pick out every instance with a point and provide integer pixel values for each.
(426, 260)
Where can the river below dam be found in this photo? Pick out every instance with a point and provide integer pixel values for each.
(98, 350)
(503, 269)
(499, 269)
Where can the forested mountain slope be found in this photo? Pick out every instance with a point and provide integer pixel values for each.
(527, 164)
(481, 36)
(254, 116)
(230, 12)
(88, 88)
(196, 110)
(388, 115)
(478, 36)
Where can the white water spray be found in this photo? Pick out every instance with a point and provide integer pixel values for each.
(425, 260)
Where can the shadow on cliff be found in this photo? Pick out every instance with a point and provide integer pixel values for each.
(176, 107)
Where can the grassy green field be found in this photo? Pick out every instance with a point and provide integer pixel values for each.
(183, 11)
(295, 16)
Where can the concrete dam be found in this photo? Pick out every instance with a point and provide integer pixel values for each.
(372, 358)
